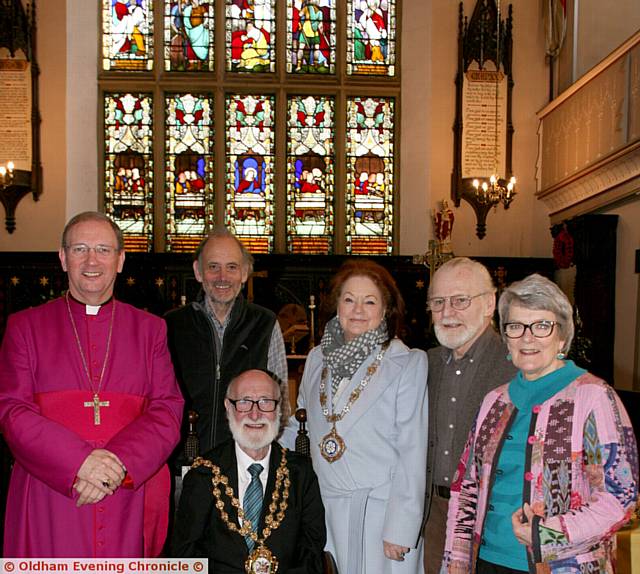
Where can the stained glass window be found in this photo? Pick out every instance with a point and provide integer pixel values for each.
(189, 170)
(127, 39)
(369, 197)
(188, 35)
(371, 37)
(310, 174)
(249, 169)
(250, 35)
(170, 159)
(128, 169)
(311, 36)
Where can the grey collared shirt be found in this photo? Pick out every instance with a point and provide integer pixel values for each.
(458, 375)
(277, 355)
(461, 387)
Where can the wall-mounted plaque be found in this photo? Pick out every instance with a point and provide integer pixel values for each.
(484, 125)
(483, 131)
(15, 111)
(20, 168)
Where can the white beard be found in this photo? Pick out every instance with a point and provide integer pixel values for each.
(454, 339)
(251, 439)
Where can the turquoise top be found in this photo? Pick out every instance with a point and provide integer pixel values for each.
(499, 543)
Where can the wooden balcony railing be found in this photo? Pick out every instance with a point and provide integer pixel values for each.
(589, 138)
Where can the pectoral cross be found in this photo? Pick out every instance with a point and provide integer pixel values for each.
(96, 404)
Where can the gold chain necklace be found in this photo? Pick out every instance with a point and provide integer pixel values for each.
(96, 403)
(332, 445)
(261, 556)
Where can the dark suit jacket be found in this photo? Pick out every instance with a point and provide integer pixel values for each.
(297, 543)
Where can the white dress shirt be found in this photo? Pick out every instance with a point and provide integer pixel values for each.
(244, 478)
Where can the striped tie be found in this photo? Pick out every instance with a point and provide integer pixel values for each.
(252, 503)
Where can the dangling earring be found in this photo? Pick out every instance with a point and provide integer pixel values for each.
(560, 356)
(509, 357)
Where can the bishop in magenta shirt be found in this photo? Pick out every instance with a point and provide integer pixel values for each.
(48, 420)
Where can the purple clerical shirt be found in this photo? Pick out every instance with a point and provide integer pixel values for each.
(43, 388)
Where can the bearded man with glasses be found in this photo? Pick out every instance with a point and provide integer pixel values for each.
(250, 505)
(469, 363)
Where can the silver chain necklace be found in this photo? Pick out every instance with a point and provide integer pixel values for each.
(332, 445)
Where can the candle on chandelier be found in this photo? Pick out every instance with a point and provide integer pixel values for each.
(6, 173)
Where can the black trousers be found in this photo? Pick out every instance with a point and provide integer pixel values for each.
(483, 567)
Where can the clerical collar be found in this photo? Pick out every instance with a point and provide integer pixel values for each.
(90, 309)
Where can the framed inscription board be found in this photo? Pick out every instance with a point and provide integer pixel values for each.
(20, 167)
(484, 123)
(483, 130)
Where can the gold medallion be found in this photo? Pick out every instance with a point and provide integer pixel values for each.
(332, 446)
(261, 561)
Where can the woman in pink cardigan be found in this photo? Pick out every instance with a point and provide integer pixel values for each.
(550, 469)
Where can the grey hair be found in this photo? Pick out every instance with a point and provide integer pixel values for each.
(478, 269)
(92, 216)
(275, 378)
(218, 232)
(542, 294)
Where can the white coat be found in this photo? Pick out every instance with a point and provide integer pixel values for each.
(375, 491)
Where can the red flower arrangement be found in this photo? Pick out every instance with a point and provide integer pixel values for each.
(563, 249)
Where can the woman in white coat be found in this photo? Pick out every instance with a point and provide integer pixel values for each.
(365, 393)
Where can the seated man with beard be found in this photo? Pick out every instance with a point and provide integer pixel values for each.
(250, 505)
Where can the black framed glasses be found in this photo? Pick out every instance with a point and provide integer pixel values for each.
(245, 405)
(457, 302)
(539, 329)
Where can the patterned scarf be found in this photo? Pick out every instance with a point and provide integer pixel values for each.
(344, 358)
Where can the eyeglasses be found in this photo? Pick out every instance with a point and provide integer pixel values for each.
(457, 302)
(539, 329)
(245, 405)
(81, 250)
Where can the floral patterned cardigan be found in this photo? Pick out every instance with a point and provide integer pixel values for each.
(581, 475)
